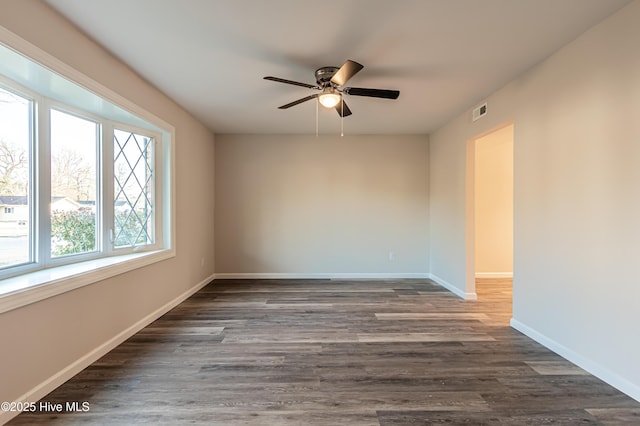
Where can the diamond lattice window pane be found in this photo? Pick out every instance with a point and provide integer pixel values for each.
(133, 189)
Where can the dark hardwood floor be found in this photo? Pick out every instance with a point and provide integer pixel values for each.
(327, 352)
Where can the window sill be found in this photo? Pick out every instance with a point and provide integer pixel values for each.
(32, 287)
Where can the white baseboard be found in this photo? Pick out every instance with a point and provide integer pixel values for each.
(494, 274)
(453, 289)
(604, 374)
(42, 389)
(325, 276)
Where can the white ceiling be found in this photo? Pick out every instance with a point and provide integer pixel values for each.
(443, 55)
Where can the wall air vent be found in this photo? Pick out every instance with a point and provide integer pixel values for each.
(479, 112)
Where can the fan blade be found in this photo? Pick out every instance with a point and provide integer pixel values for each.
(342, 109)
(299, 101)
(295, 83)
(372, 93)
(346, 71)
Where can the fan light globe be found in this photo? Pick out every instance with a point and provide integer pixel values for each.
(329, 99)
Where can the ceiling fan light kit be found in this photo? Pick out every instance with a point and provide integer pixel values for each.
(330, 82)
(329, 97)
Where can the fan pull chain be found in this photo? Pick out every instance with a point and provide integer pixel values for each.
(341, 116)
(317, 102)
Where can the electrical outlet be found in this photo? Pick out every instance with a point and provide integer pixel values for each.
(202, 262)
(392, 256)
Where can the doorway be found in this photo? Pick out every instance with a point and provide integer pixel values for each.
(490, 213)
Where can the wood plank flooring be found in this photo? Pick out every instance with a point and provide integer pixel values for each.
(327, 352)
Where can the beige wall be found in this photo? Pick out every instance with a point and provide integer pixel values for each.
(576, 198)
(494, 203)
(327, 205)
(42, 339)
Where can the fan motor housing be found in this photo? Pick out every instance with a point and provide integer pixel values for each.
(324, 74)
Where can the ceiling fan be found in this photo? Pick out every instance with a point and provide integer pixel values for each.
(330, 82)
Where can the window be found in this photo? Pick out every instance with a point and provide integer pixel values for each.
(134, 189)
(74, 143)
(80, 149)
(15, 146)
(81, 178)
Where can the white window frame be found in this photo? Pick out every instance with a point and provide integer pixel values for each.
(44, 108)
(157, 196)
(29, 284)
